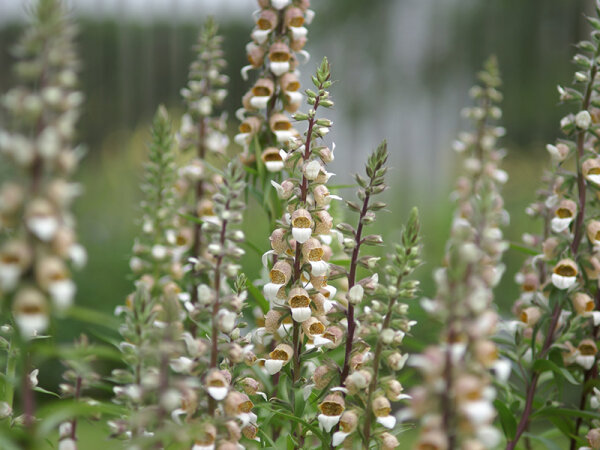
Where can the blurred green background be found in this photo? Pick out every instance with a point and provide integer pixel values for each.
(403, 69)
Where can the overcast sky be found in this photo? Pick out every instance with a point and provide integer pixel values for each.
(141, 9)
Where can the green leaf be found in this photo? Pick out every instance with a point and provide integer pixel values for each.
(523, 249)
(507, 419)
(544, 365)
(548, 444)
(253, 247)
(93, 317)
(45, 391)
(299, 402)
(260, 299)
(562, 412)
(191, 218)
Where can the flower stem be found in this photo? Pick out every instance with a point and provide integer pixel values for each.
(216, 305)
(531, 387)
(296, 342)
(592, 373)
(351, 282)
(28, 397)
(74, 421)
(373, 384)
(11, 366)
(579, 155)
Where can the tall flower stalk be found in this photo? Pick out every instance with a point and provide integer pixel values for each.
(559, 285)
(456, 401)
(275, 52)
(39, 244)
(298, 293)
(152, 314)
(202, 134)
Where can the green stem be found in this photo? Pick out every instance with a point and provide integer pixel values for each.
(11, 367)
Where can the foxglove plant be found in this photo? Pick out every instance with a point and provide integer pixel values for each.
(275, 51)
(299, 296)
(152, 314)
(202, 134)
(375, 317)
(455, 403)
(39, 244)
(558, 317)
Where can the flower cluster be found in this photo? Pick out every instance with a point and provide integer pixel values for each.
(376, 320)
(41, 246)
(202, 134)
(559, 283)
(277, 42)
(301, 316)
(152, 314)
(456, 401)
(298, 286)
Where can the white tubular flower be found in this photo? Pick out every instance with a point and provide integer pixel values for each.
(62, 293)
(301, 225)
(294, 97)
(331, 409)
(338, 437)
(564, 215)
(586, 354)
(564, 274)
(182, 364)
(41, 220)
(280, 4)
(9, 276)
(583, 120)
(312, 170)
(260, 36)
(217, 385)
(299, 302)
(319, 268)
(270, 291)
(67, 444)
(272, 159)
(280, 356)
(30, 311)
(355, 294)
(479, 412)
(279, 67)
(388, 422)
(226, 320)
(298, 32)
